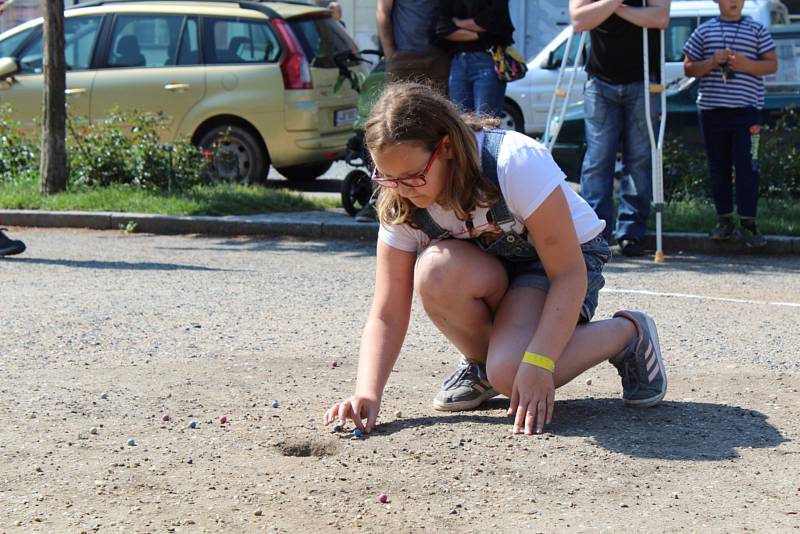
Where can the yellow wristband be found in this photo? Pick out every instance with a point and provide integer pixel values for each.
(539, 361)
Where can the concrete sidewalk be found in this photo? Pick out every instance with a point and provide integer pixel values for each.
(335, 224)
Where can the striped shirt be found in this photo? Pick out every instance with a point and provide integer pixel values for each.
(743, 36)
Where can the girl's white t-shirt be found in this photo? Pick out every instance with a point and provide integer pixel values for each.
(527, 175)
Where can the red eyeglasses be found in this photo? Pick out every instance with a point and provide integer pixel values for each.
(416, 180)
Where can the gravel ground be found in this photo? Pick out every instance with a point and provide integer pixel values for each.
(197, 328)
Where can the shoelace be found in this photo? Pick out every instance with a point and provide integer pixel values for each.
(630, 378)
(463, 368)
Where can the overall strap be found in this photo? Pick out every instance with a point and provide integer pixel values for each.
(423, 220)
(492, 140)
(500, 213)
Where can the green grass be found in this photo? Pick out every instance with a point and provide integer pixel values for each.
(201, 200)
(775, 217)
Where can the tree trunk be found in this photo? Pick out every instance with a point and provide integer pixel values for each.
(54, 110)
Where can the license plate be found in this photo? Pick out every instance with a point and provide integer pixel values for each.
(345, 117)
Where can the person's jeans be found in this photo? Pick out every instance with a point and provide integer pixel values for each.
(473, 84)
(732, 137)
(614, 113)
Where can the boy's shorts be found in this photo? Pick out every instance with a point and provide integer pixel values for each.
(596, 254)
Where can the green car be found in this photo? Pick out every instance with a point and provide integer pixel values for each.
(782, 90)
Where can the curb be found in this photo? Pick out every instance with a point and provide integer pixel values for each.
(321, 224)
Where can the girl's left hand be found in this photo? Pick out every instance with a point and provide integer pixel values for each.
(532, 398)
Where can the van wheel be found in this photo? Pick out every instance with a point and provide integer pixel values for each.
(305, 172)
(356, 191)
(511, 118)
(235, 155)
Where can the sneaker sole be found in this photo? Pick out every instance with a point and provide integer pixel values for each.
(12, 251)
(652, 401)
(461, 406)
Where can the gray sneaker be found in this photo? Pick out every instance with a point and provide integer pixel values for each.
(465, 389)
(644, 380)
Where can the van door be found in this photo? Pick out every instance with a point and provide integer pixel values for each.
(25, 92)
(152, 64)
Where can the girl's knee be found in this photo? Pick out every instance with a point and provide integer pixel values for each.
(501, 373)
(436, 272)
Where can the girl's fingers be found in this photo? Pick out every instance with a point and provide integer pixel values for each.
(519, 420)
(344, 408)
(357, 419)
(551, 405)
(512, 407)
(372, 415)
(541, 415)
(530, 416)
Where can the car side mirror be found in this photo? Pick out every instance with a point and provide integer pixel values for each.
(8, 66)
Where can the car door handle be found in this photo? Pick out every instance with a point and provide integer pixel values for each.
(177, 86)
(75, 92)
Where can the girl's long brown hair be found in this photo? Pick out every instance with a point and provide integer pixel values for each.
(417, 114)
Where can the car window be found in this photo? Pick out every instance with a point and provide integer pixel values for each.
(80, 34)
(241, 41)
(788, 75)
(9, 45)
(677, 34)
(144, 40)
(558, 53)
(189, 50)
(322, 39)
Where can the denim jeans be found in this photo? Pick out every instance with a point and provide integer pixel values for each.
(732, 138)
(473, 84)
(614, 113)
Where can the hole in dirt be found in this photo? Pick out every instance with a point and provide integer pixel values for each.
(305, 448)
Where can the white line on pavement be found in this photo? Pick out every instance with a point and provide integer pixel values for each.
(699, 297)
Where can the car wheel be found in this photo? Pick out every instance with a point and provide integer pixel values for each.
(235, 155)
(305, 172)
(356, 191)
(511, 118)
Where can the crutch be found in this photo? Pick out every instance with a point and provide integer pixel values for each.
(554, 122)
(656, 144)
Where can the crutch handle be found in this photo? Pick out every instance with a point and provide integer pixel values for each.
(656, 88)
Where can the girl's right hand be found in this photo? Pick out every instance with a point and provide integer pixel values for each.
(356, 408)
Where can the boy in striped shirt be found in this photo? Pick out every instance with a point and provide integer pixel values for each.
(730, 55)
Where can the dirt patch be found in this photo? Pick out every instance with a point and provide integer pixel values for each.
(304, 448)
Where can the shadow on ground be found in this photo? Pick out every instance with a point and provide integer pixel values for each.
(347, 248)
(695, 431)
(116, 265)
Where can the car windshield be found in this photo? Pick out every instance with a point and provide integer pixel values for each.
(322, 39)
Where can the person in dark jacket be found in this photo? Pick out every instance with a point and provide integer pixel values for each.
(468, 29)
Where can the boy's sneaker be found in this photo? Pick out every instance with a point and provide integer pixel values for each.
(644, 380)
(751, 237)
(723, 231)
(9, 247)
(465, 389)
(631, 248)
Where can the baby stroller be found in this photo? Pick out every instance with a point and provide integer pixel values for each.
(357, 185)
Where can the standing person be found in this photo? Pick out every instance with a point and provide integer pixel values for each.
(8, 246)
(614, 109)
(405, 30)
(506, 259)
(468, 29)
(731, 54)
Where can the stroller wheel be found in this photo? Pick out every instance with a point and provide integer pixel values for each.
(356, 191)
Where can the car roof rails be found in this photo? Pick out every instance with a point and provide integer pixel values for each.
(257, 5)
